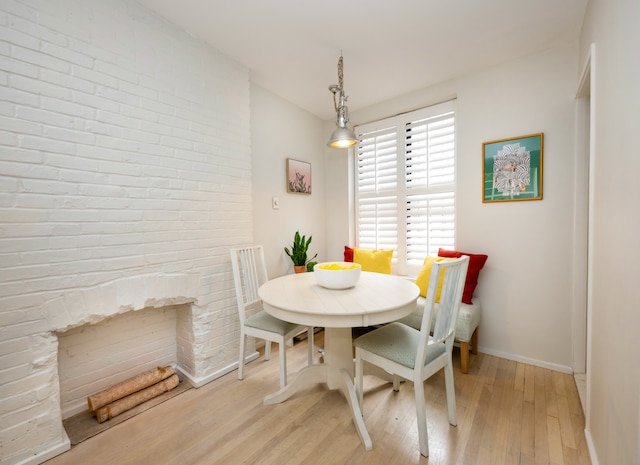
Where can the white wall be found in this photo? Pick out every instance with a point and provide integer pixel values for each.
(125, 172)
(280, 130)
(525, 287)
(613, 409)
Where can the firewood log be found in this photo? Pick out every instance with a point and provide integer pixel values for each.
(128, 386)
(122, 405)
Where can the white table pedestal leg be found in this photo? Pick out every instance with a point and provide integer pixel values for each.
(338, 347)
(337, 372)
(304, 379)
(338, 354)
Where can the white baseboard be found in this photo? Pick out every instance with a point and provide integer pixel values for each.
(530, 361)
(201, 381)
(41, 457)
(592, 450)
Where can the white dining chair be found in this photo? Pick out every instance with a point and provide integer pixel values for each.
(415, 355)
(249, 273)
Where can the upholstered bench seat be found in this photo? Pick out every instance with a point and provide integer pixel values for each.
(466, 327)
(469, 317)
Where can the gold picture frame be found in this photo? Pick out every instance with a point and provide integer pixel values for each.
(512, 169)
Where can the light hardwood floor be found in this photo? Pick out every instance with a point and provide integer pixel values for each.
(508, 413)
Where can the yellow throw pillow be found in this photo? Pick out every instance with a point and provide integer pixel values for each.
(373, 260)
(425, 273)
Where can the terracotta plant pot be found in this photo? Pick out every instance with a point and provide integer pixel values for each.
(300, 268)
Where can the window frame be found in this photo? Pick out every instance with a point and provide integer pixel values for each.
(402, 264)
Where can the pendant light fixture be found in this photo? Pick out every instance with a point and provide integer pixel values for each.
(342, 137)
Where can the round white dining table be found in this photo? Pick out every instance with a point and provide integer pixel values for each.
(375, 299)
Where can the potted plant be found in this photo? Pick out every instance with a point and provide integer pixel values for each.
(298, 253)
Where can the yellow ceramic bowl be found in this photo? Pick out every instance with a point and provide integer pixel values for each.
(337, 275)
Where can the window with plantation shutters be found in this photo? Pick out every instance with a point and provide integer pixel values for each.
(405, 185)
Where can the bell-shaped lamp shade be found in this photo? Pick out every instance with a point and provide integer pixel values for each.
(342, 138)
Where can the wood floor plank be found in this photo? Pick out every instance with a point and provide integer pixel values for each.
(519, 381)
(508, 414)
(566, 426)
(493, 446)
(529, 383)
(555, 441)
(479, 420)
(551, 392)
(467, 401)
(527, 431)
(514, 442)
(541, 440)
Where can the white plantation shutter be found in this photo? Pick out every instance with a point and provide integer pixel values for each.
(377, 183)
(405, 185)
(377, 223)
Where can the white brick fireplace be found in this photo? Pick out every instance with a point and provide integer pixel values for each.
(125, 176)
(104, 348)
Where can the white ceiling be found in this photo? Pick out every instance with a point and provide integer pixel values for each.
(291, 47)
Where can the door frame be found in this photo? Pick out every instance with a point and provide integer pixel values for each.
(583, 222)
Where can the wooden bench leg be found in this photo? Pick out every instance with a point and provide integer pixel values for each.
(464, 351)
(474, 342)
(464, 357)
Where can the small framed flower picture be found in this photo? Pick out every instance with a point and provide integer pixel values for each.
(298, 176)
(512, 169)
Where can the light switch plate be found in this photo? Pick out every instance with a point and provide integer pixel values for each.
(275, 203)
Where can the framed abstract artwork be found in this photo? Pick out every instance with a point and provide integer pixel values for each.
(512, 169)
(298, 176)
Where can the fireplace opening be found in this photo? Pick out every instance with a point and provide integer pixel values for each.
(94, 357)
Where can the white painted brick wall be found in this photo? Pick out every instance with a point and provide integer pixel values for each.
(124, 179)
